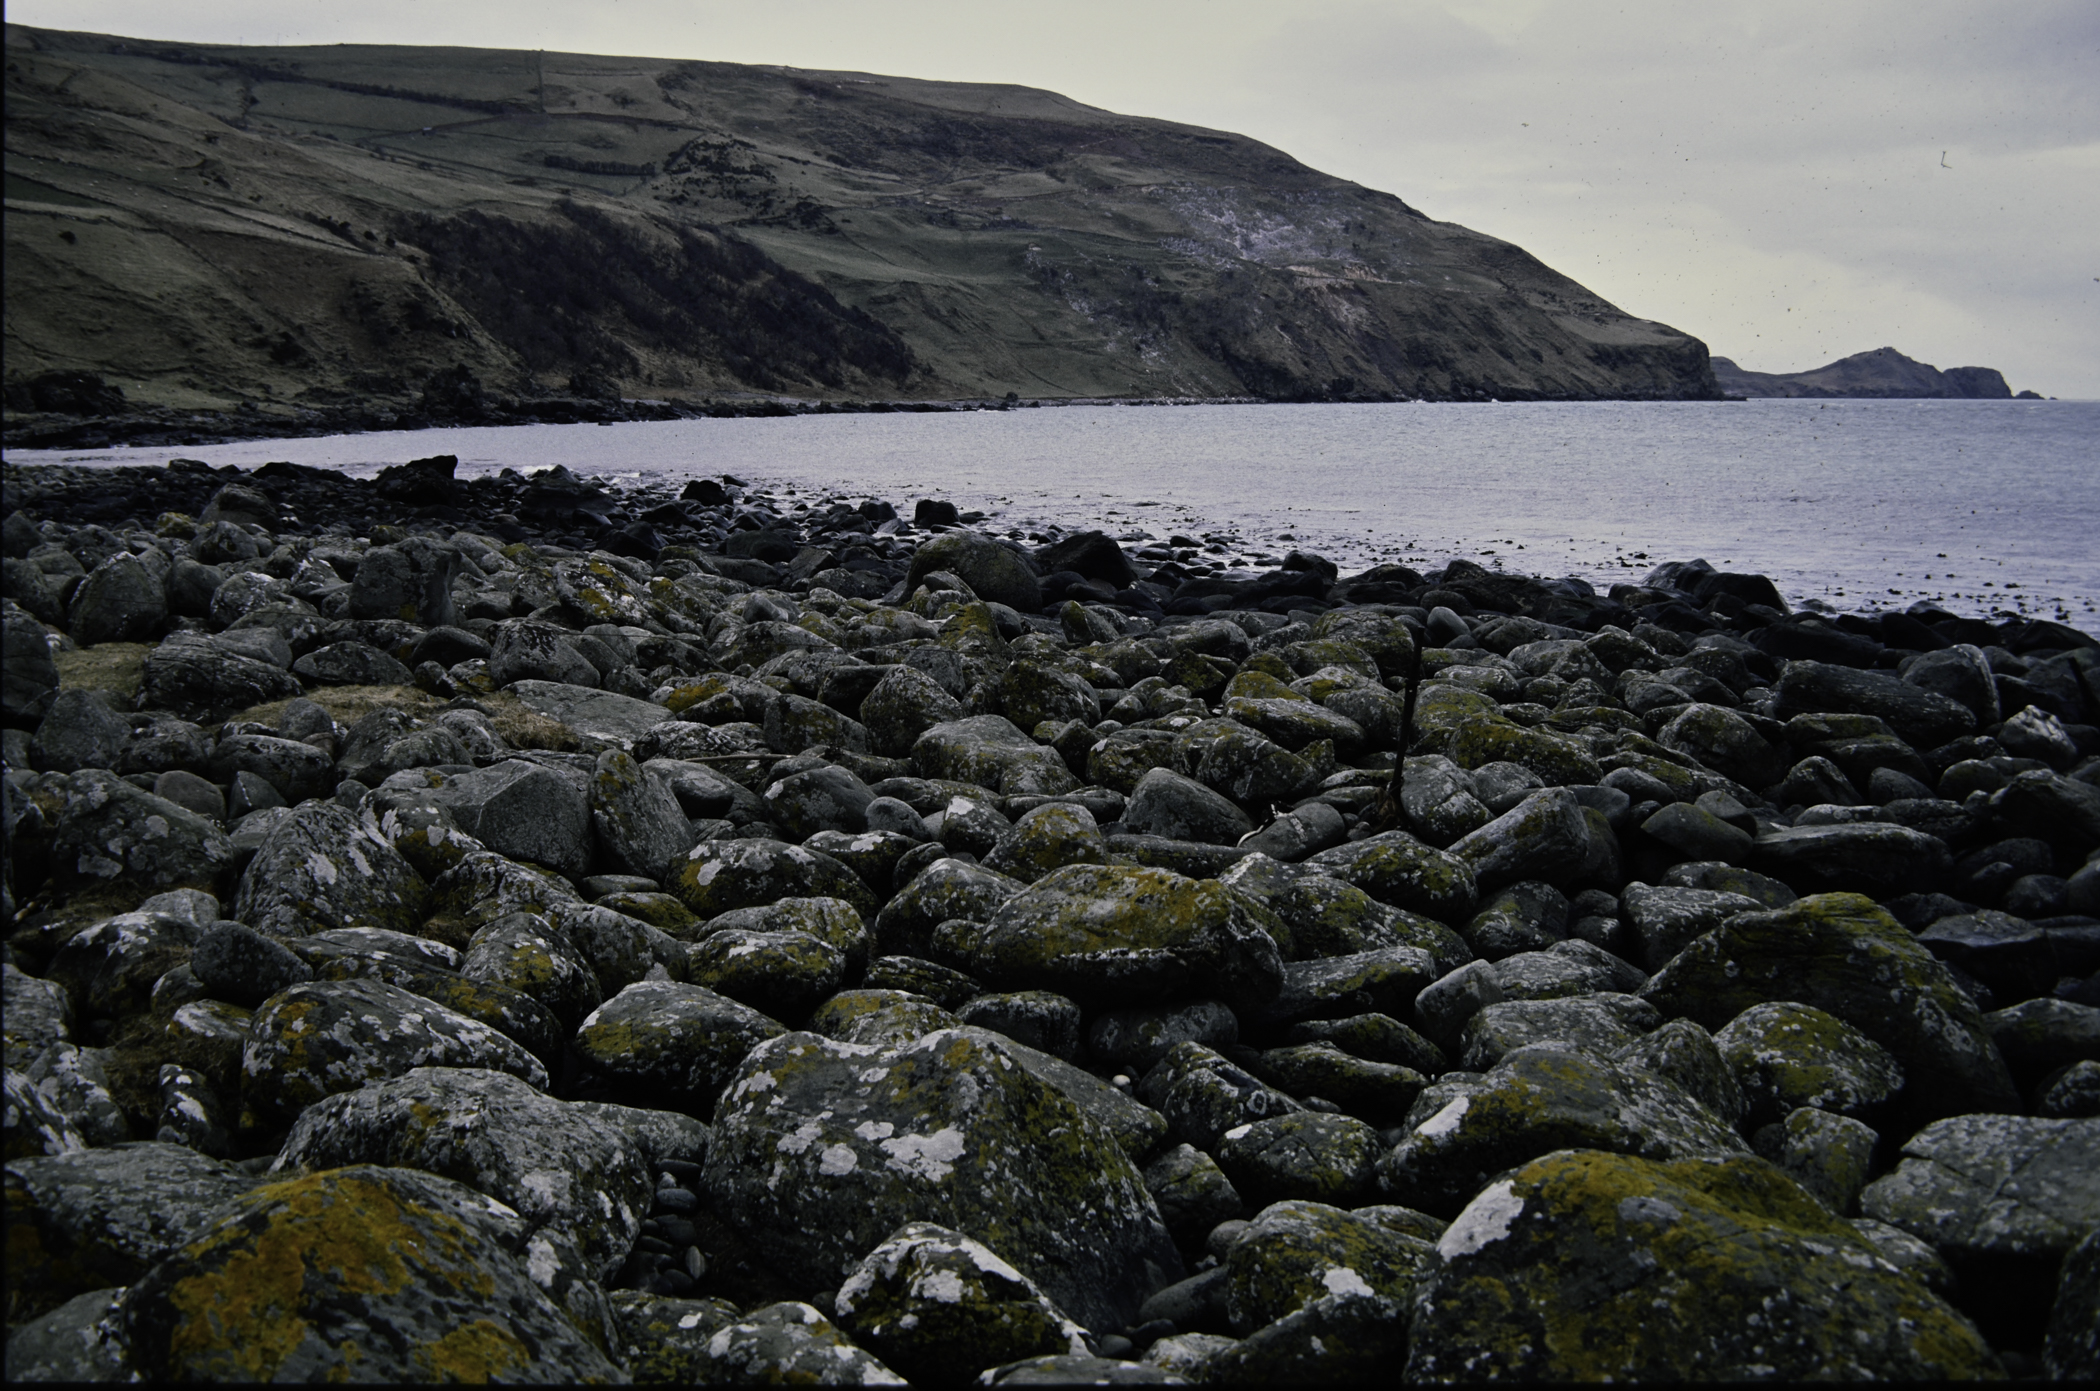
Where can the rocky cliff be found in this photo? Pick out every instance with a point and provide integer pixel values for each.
(1883, 373)
(203, 226)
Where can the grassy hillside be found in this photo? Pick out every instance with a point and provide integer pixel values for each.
(207, 225)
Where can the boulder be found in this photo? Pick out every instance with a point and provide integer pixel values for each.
(1325, 915)
(323, 867)
(410, 580)
(1584, 1266)
(599, 719)
(1399, 870)
(1047, 838)
(327, 1037)
(385, 1274)
(1305, 1155)
(822, 1148)
(201, 680)
(1110, 935)
(28, 675)
(1165, 803)
(1297, 1251)
(1869, 857)
(638, 821)
(783, 1344)
(903, 705)
(524, 811)
(993, 572)
(989, 751)
(112, 833)
(662, 1044)
(79, 731)
(559, 1165)
(1994, 1185)
(91, 1219)
(720, 875)
(1603, 1024)
(1538, 1099)
(121, 600)
(1842, 954)
(1786, 1055)
(939, 1306)
(350, 664)
(1922, 718)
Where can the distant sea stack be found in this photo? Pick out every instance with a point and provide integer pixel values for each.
(277, 233)
(1883, 374)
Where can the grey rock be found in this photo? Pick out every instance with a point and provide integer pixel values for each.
(1831, 1156)
(1439, 799)
(782, 974)
(1526, 916)
(28, 675)
(821, 1146)
(1193, 1196)
(527, 811)
(1724, 741)
(1604, 1024)
(185, 789)
(1961, 673)
(599, 719)
(1306, 1156)
(241, 966)
(328, 1037)
(1871, 858)
(525, 952)
(1543, 1098)
(559, 1165)
(34, 1014)
(1047, 838)
(1994, 1185)
(75, 1081)
(121, 600)
(1379, 1093)
(638, 820)
(989, 751)
(992, 571)
(1664, 921)
(1682, 1052)
(2072, 1349)
(1383, 980)
(115, 834)
(1399, 870)
(1296, 834)
(1699, 834)
(784, 1343)
(1041, 1019)
(350, 664)
(297, 770)
(320, 866)
(721, 875)
(663, 1044)
(34, 1123)
(830, 798)
(79, 731)
(199, 679)
(410, 580)
(1136, 1038)
(1203, 1095)
(1920, 717)
(1165, 803)
(1788, 1055)
(533, 651)
(902, 706)
(1325, 915)
(83, 1341)
(1296, 1252)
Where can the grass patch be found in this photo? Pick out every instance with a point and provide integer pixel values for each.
(107, 666)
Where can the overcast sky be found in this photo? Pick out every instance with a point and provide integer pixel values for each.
(1790, 180)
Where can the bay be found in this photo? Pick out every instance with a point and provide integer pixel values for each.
(1980, 506)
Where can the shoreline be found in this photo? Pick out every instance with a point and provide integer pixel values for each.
(835, 894)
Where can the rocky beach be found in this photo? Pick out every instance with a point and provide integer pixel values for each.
(528, 928)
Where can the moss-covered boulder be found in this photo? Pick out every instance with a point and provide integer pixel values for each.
(370, 1274)
(526, 953)
(1786, 1055)
(720, 875)
(1544, 837)
(91, 1219)
(1121, 934)
(1329, 916)
(944, 891)
(325, 1037)
(1603, 1023)
(1538, 1099)
(1297, 1251)
(1049, 837)
(783, 974)
(1370, 1090)
(558, 1164)
(663, 1044)
(991, 752)
(323, 867)
(1397, 869)
(1843, 954)
(822, 1149)
(1307, 1155)
(1584, 1266)
(939, 1306)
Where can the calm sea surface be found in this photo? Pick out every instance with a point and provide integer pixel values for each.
(1978, 505)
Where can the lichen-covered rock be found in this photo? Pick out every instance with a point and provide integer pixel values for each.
(1829, 1155)
(665, 1045)
(373, 1274)
(1385, 980)
(1120, 934)
(1328, 916)
(1666, 920)
(945, 891)
(1686, 1054)
(524, 952)
(1397, 869)
(526, 811)
(1203, 1095)
(109, 969)
(1544, 837)
(1843, 954)
(110, 833)
(939, 1306)
(559, 1165)
(1138, 1037)
(1164, 803)
(75, 1081)
(1724, 741)
(326, 1037)
(1786, 1055)
(1584, 1266)
(822, 1149)
(1298, 1251)
(1378, 1092)
(1049, 837)
(81, 1342)
(2072, 1349)
(662, 1341)
(34, 1014)
(34, 1125)
(637, 819)
(903, 705)
(1990, 1185)
(990, 751)
(784, 974)
(91, 1219)
(1192, 1192)
(1305, 1155)
(1603, 1023)
(323, 867)
(785, 1344)
(1539, 1099)
(720, 875)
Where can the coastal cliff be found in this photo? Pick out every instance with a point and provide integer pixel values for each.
(1883, 374)
(327, 228)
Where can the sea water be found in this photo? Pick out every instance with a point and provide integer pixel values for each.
(1979, 506)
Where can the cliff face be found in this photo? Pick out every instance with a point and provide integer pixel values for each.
(202, 225)
(1883, 373)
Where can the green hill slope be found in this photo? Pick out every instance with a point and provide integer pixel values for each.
(203, 225)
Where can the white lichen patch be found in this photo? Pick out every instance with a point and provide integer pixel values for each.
(1487, 1219)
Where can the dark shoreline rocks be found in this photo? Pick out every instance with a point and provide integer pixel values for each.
(785, 923)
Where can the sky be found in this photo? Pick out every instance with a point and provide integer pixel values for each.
(1791, 181)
